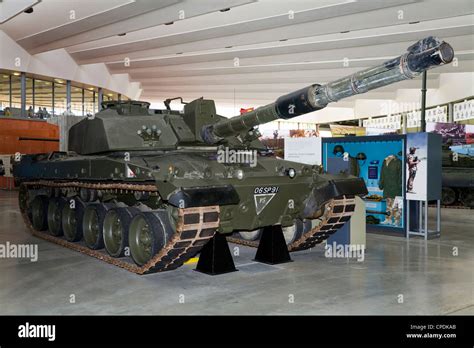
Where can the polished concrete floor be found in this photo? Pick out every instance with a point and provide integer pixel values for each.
(432, 277)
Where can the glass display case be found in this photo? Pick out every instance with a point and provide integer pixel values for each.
(380, 161)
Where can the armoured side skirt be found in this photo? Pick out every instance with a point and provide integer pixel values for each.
(348, 187)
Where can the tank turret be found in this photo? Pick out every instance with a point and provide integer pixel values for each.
(423, 55)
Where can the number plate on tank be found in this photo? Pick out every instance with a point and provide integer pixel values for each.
(266, 189)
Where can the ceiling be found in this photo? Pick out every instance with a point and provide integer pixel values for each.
(243, 52)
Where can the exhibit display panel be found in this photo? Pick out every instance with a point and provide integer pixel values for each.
(303, 150)
(423, 167)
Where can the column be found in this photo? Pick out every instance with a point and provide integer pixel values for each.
(63, 134)
(68, 97)
(404, 125)
(10, 92)
(83, 99)
(33, 94)
(52, 98)
(100, 98)
(450, 112)
(423, 102)
(23, 94)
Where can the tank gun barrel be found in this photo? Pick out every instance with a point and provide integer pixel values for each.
(423, 55)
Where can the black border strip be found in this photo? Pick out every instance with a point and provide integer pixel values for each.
(241, 330)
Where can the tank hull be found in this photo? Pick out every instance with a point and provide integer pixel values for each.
(261, 198)
(164, 220)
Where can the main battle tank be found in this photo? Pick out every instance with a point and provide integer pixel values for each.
(458, 178)
(158, 185)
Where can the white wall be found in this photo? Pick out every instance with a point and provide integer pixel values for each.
(59, 64)
(453, 86)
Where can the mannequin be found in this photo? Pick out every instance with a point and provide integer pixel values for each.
(391, 184)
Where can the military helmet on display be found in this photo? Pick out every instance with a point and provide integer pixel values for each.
(361, 156)
(338, 150)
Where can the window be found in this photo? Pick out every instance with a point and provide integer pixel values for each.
(60, 102)
(43, 98)
(4, 91)
(29, 98)
(109, 96)
(90, 101)
(76, 101)
(47, 98)
(16, 94)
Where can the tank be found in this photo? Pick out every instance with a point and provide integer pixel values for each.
(458, 179)
(146, 189)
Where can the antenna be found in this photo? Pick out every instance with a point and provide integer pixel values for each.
(169, 100)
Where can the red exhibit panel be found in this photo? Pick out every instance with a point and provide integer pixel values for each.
(25, 137)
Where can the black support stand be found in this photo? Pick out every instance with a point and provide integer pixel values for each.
(272, 248)
(423, 101)
(215, 257)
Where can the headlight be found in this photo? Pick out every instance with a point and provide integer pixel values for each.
(291, 173)
(239, 174)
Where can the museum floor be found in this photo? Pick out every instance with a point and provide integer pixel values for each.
(431, 279)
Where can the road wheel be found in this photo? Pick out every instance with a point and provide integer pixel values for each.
(115, 229)
(55, 208)
(88, 195)
(467, 197)
(72, 216)
(251, 235)
(23, 198)
(39, 213)
(448, 196)
(146, 237)
(92, 224)
(295, 231)
(307, 225)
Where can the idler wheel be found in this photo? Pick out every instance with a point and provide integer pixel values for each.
(55, 208)
(39, 213)
(72, 216)
(251, 235)
(115, 229)
(295, 231)
(146, 237)
(92, 224)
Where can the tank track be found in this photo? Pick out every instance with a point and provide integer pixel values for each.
(337, 212)
(188, 240)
